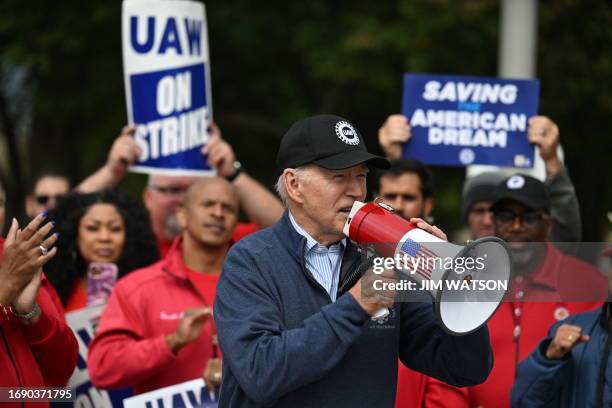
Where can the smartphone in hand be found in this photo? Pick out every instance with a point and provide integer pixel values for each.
(101, 278)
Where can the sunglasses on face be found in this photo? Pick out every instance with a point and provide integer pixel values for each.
(43, 199)
(529, 219)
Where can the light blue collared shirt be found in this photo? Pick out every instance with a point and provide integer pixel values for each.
(323, 262)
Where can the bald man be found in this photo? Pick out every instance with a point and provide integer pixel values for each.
(157, 329)
(164, 194)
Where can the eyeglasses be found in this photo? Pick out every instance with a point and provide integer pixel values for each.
(528, 219)
(43, 199)
(169, 190)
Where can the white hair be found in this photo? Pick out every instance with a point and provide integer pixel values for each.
(300, 174)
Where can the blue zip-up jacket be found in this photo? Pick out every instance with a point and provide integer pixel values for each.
(572, 381)
(286, 344)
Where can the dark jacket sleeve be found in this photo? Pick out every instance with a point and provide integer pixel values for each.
(267, 359)
(539, 380)
(564, 208)
(52, 342)
(425, 347)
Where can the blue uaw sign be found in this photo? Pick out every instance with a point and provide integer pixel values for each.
(167, 83)
(192, 394)
(84, 323)
(462, 120)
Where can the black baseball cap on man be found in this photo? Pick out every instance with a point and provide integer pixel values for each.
(328, 141)
(527, 190)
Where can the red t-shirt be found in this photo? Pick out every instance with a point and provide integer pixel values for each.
(205, 283)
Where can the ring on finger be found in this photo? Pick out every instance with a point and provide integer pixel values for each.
(570, 337)
(43, 250)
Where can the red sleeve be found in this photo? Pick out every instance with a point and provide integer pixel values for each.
(410, 388)
(440, 394)
(52, 342)
(119, 355)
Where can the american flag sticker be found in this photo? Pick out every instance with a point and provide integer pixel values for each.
(421, 258)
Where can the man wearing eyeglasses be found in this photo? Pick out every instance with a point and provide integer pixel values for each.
(564, 208)
(548, 286)
(47, 188)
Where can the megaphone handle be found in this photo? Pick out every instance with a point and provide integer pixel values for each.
(381, 313)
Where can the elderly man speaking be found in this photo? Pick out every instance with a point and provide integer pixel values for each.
(292, 333)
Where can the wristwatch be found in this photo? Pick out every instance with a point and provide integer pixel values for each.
(236, 173)
(27, 316)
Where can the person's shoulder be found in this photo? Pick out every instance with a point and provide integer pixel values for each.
(142, 277)
(255, 242)
(584, 318)
(256, 254)
(573, 263)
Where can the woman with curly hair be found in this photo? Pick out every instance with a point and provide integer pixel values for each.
(102, 228)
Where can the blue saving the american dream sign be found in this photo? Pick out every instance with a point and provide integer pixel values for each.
(166, 66)
(463, 120)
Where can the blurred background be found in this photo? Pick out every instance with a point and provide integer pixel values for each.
(62, 99)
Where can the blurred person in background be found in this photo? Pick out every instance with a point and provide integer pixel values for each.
(565, 210)
(164, 194)
(407, 186)
(107, 228)
(478, 195)
(39, 349)
(157, 329)
(46, 190)
(542, 132)
(477, 199)
(547, 287)
(571, 366)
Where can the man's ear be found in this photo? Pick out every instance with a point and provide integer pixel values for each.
(146, 198)
(293, 186)
(181, 217)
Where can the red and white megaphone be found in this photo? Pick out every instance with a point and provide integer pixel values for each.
(463, 301)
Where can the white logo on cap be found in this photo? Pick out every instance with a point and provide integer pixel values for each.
(346, 132)
(515, 182)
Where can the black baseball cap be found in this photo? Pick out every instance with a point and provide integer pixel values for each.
(479, 188)
(328, 141)
(527, 190)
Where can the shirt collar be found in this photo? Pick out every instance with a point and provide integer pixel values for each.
(312, 243)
